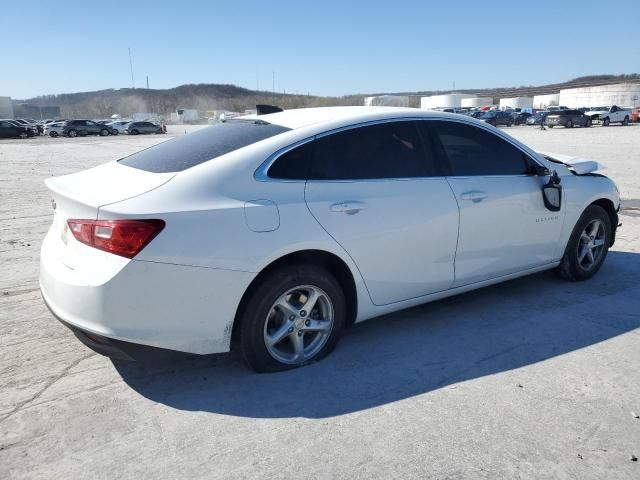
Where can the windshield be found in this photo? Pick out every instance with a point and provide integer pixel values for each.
(488, 115)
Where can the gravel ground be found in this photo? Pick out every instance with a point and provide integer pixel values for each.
(533, 378)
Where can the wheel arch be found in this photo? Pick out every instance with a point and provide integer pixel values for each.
(610, 208)
(330, 261)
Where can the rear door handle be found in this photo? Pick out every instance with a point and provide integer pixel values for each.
(348, 206)
(475, 196)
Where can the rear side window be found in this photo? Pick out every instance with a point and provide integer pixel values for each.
(206, 144)
(475, 151)
(294, 164)
(386, 150)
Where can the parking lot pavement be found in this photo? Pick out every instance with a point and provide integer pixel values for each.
(533, 378)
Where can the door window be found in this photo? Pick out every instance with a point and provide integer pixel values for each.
(472, 150)
(385, 150)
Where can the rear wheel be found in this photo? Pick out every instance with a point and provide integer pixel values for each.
(293, 318)
(24, 135)
(114, 132)
(569, 124)
(53, 134)
(625, 122)
(73, 133)
(134, 132)
(588, 245)
(104, 132)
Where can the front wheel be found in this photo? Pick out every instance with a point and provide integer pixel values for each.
(569, 124)
(53, 134)
(134, 132)
(588, 245)
(292, 318)
(606, 122)
(24, 135)
(587, 123)
(73, 133)
(114, 132)
(104, 132)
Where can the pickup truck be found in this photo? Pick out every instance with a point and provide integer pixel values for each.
(608, 115)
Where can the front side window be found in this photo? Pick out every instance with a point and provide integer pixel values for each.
(472, 150)
(200, 146)
(386, 150)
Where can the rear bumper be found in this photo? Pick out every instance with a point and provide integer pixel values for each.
(172, 307)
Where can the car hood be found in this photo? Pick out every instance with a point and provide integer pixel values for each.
(576, 164)
(596, 112)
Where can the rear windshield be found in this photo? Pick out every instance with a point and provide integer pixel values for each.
(210, 142)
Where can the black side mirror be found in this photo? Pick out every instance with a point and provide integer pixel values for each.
(552, 193)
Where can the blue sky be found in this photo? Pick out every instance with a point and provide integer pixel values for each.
(321, 47)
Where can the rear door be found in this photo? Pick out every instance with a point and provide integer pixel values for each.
(504, 225)
(378, 191)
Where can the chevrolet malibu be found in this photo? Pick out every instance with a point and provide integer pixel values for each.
(270, 234)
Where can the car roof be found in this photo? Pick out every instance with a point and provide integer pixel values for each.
(330, 116)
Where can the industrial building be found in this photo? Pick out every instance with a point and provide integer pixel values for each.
(6, 107)
(450, 100)
(387, 101)
(622, 94)
(476, 102)
(542, 102)
(516, 103)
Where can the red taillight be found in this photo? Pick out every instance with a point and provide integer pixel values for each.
(121, 237)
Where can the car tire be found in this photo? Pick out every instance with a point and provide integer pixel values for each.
(104, 132)
(625, 122)
(114, 132)
(577, 263)
(53, 134)
(134, 132)
(550, 126)
(606, 122)
(23, 135)
(588, 122)
(261, 318)
(72, 133)
(569, 124)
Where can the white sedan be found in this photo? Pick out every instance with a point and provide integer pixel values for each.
(272, 233)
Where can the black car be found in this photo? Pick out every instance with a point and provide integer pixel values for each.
(537, 118)
(21, 121)
(135, 128)
(520, 118)
(11, 129)
(496, 117)
(567, 118)
(73, 128)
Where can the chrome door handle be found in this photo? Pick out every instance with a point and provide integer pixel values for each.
(475, 196)
(348, 207)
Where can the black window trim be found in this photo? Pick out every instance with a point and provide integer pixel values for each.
(261, 173)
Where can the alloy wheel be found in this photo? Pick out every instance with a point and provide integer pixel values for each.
(298, 324)
(591, 244)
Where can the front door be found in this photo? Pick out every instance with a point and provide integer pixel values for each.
(504, 225)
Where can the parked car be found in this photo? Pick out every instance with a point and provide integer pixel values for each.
(53, 129)
(118, 127)
(277, 231)
(136, 128)
(567, 118)
(497, 117)
(73, 128)
(34, 129)
(520, 118)
(611, 114)
(537, 118)
(635, 114)
(10, 129)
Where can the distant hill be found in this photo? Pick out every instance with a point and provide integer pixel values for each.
(204, 97)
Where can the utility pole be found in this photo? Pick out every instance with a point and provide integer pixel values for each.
(147, 82)
(133, 85)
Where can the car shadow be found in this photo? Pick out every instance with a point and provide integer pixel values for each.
(485, 332)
